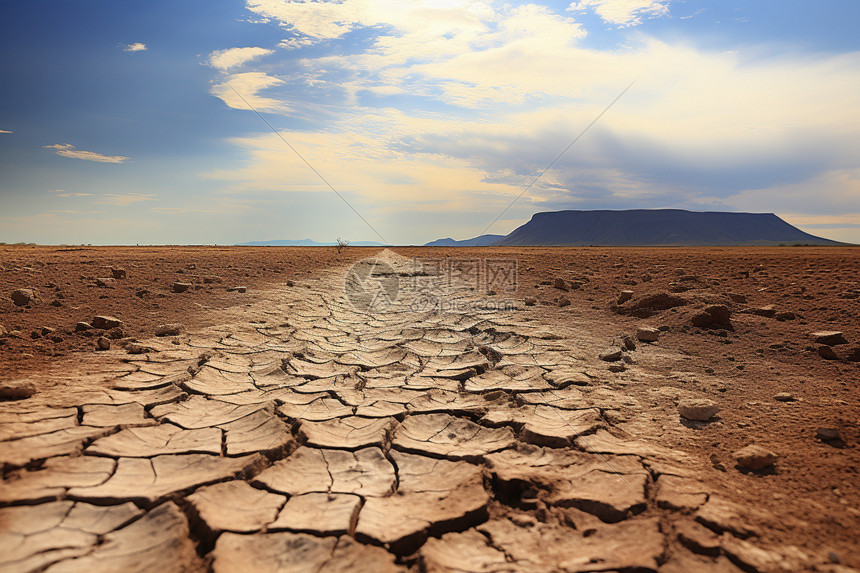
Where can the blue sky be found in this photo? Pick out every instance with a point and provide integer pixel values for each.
(120, 122)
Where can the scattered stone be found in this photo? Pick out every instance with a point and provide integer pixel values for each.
(739, 298)
(83, 326)
(828, 434)
(649, 305)
(624, 296)
(559, 284)
(22, 296)
(629, 342)
(103, 343)
(19, 390)
(755, 457)
(106, 322)
(181, 287)
(713, 316)
(105, 283)
(529, 301)
(239, 289)
(827, 352)
(56, 303)
(853, 354)
(612, 354)
(172, 329)
(118, 273)
(699, 409)
(784, 397)
(617, 367)
(563, 301)
(784, 316)
(647, 334)
(828, 337)
(765, 311)
(290, 283)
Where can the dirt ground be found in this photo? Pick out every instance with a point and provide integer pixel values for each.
(776, 297)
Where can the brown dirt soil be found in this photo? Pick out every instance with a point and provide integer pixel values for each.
(812, 493)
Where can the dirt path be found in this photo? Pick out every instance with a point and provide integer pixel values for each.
(315, 431)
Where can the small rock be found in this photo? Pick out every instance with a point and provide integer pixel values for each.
(828, 337)
(56, 303)
(137, 348)
(118, 273)
(491, 293)
(22, 296)
(141, 293)
(105, 283)
(19, 390)
(755, 457)
(629, 342)
(116, 333)
(646, 278)
(784, 316)
(765, 311)
(563, 301)
(172, 329)
(181, 287)
(699, 409)
(559, 284)
(624, 296)
(827, 353)
(83, 326)
(216, 279)
(103, 343)
(238, 289)
(290, 283)
(617, 367)
(106, 322)
(647, 334)
(529, 301)
(853, 354)
(46, 330)
(784, 397)
(713, 316)
(612, 354)
(828, 434)
(740, 298)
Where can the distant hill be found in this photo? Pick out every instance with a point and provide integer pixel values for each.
(482, 241)
(306, 243)
(656, 227)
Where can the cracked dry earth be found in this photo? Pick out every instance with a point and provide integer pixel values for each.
(306, 435)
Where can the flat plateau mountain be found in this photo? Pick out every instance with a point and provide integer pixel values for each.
(655, 227)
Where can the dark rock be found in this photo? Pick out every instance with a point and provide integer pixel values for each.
(559, 284)
(784, 397)
(106, 322)
(18, 390)
(612, 354)
(105, 283)
(828, 337)
(563, 301)
(713, 316)
(827, 353)
(103, 343)
(828, 434)
(118, 273)
(624, 296)
(647, 334)
(629, 342)
(22, 296)
(181, 287)
(83, 326)
(529, 301)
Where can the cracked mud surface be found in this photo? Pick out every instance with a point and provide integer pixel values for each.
(304, 434)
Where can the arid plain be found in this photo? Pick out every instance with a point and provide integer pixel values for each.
(248, 411)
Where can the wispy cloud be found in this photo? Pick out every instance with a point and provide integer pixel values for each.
(135, 47)
(232, 57)
(64, 193)
(624, 12)
(68, 150)
(121, 200)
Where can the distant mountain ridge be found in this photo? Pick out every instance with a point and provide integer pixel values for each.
(482, 241)
(305, 243)
(654, 227)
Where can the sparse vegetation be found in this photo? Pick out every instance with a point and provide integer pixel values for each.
(341, 243)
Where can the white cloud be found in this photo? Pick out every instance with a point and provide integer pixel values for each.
(240, 90)
(4, 131)
(624, 12)
(121, 200)
(68, 150)
(232, 57)
(135, 47)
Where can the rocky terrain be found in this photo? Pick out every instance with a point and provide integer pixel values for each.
(282, 409)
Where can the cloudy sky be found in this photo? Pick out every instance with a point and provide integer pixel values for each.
(129, 122)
